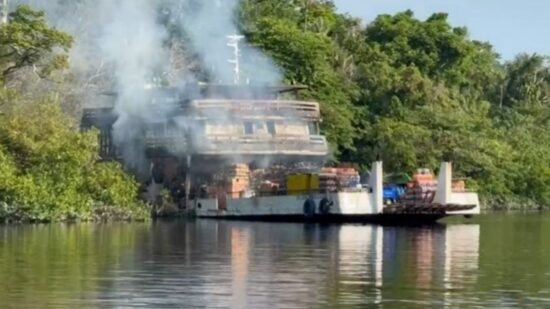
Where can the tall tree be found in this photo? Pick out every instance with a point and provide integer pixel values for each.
(27, 41)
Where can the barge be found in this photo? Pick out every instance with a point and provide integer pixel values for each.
(364, 205)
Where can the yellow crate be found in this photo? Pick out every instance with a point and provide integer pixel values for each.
(302, 183)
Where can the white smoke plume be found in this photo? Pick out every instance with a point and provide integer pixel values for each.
(207, 23)
(125, 47)
(123, 43)
(132, 41)
(103, 29)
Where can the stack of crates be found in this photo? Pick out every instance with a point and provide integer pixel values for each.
(459, 186)
(237, 180)
(422, 188)
(328, 180)
(340, 178)
(348, 177)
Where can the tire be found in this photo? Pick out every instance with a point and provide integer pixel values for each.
(309, 208)
(324, 206)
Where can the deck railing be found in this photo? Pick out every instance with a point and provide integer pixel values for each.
(228, 144)
(287, 108)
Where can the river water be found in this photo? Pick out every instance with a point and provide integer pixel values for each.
(497, 261)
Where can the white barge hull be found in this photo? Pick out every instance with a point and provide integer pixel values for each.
(359, 206)
(346, 206)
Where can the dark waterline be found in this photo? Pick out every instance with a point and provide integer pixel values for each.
(498, 261)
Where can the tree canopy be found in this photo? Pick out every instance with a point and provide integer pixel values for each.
(28, 41)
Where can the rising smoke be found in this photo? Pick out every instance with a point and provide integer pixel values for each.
(207, 23)
(129, 44)
(111, 31)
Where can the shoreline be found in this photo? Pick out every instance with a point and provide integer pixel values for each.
(187, 215)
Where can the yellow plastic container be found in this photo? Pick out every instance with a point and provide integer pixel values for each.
(302, 183)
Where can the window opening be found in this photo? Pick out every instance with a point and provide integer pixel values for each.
(248, 128)
(271, 128)
(313, 128)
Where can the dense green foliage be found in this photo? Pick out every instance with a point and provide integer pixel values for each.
(414, 92)
(48, 170)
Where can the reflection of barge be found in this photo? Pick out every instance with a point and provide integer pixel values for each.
(195, 137)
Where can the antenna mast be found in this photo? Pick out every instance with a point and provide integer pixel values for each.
(234, 41)
(3, 12)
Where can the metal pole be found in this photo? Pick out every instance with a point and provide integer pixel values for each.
(188, 182)
(234, 43)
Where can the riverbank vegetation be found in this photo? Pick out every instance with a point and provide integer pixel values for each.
(410, 92)
(48, 170)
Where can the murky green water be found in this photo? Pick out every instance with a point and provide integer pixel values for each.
(499, 261)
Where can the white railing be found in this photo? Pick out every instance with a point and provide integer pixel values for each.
(235, 144)
(264, 107)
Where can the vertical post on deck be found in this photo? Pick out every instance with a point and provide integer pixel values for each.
(444, 184)
(377, 185)
(188, 181)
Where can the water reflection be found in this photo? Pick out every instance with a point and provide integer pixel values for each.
(240, 262)
(57, 265)
(217, 264)
(235, 264)
(419, 262)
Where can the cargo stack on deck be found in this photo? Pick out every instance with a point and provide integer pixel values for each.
(422, 188)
